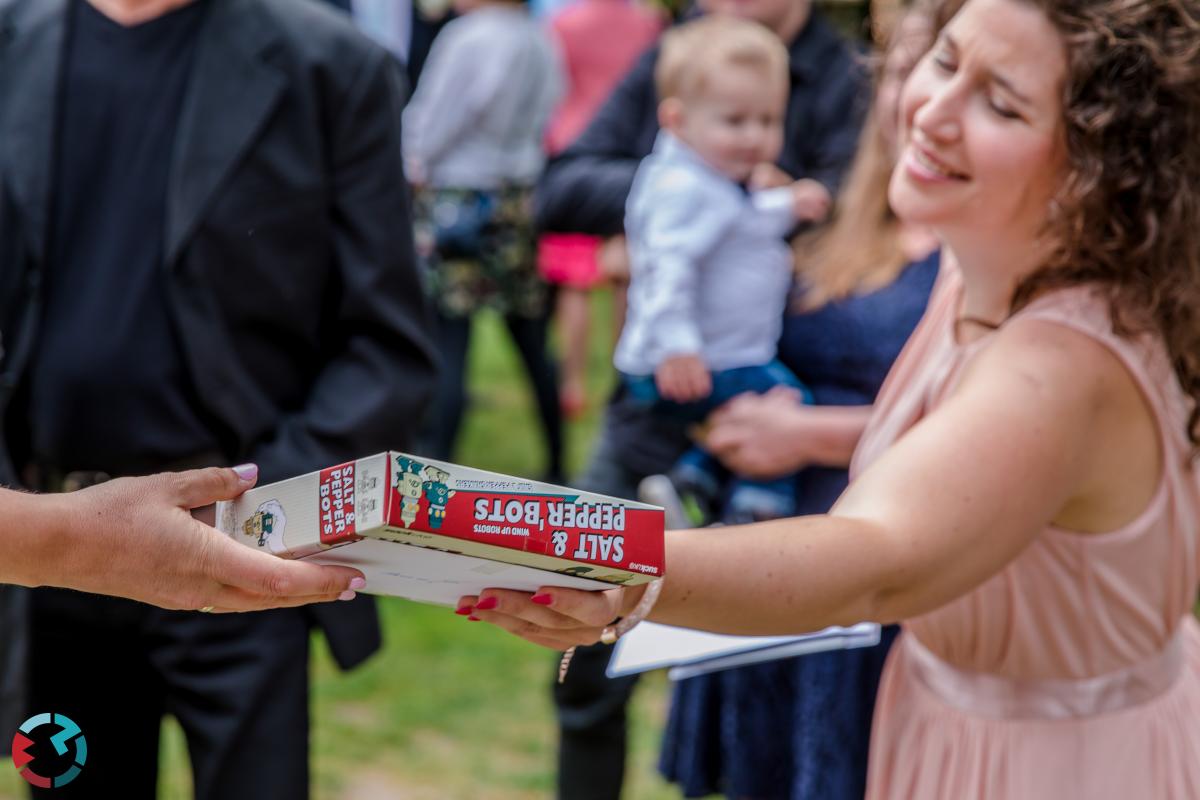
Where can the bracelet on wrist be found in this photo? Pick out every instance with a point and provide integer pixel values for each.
(619, 626)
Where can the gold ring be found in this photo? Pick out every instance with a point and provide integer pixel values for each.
(609, 635)
(205, 610)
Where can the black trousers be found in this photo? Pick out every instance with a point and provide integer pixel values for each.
(237, 683)
(592, 727)
(529, 335)
(591, 707)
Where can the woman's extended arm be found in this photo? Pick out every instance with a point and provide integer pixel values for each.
(1046, 425)
(136, 538)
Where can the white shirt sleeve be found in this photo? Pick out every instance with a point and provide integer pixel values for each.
(682, 218)
(777, 205)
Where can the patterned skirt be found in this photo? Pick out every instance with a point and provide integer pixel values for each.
(478, 250)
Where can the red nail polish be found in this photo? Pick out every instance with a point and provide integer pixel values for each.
(487, 604)
(473, 618)
(542, 599)
(463, 610)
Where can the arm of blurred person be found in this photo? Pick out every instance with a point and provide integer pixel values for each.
(613, 259)
(370, 389)
(584, 188)
(136, 538)
(773, 434)
(811, 201)
(768, 176)
(683, 378)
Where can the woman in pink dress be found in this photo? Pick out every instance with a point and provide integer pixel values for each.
(1025, 500)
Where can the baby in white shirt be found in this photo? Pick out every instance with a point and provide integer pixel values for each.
(710, 270)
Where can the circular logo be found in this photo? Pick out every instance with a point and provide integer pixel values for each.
(49, 750)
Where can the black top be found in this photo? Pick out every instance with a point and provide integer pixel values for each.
(108, 387)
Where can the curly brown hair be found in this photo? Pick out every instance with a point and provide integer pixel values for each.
(1127, 217)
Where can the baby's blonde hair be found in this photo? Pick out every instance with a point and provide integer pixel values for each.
(692, 51)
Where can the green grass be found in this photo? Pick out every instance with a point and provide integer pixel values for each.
(452, 709)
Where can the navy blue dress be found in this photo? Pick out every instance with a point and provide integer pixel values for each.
(798, 729)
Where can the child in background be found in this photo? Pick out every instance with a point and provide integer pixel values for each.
(710, 270)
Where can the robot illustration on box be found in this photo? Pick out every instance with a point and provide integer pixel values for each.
(409, 485)
(438, 492)
(266, 525)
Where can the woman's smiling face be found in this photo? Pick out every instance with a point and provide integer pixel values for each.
(981, 133)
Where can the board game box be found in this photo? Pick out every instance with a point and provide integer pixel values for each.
(433, 531)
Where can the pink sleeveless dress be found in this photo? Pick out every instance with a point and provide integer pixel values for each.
(1075, 671)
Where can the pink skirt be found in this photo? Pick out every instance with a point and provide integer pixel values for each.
(569, 259)
(926, 743)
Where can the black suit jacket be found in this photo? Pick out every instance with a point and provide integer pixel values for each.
(291, 271)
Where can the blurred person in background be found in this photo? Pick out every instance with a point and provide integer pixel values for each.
(709, 265)
(799, 728)
(598, 41)
(584, 190)
(205, 258)
(473, 145)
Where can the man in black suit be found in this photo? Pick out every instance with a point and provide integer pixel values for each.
(205, 257)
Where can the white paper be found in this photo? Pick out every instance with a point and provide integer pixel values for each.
(687, 652)
(435, 576)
